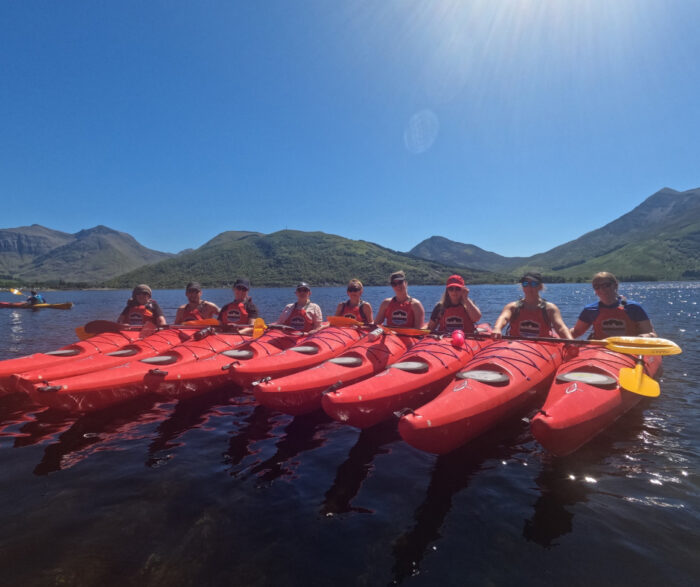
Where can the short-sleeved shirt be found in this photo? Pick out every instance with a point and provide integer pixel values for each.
(151, 305)
(312, 310)
(632, 309)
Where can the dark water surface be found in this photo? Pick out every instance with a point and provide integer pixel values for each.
(215, 490)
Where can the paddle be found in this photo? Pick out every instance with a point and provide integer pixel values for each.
(629, 345)
(16, 291)
(259, 327)
(102, 326)
(345, 321)
(636, 381)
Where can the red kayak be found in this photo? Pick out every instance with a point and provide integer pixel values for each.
(301, 392)
(101, 389)
(414, 379)
(306, 352)
(149, 346)
(214, 371)
(585, 398)
(102, 343)
(499, 382)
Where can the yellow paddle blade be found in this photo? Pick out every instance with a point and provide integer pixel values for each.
(16, 291)
(640, 345)
(343, 321)
(258, 327)
(636, 381)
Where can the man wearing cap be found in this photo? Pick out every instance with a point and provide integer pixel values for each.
(302, 315)
(141, 309)
(195, 308)
(455, 310)
(241, 310)
(401, 310)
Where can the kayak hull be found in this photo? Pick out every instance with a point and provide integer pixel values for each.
(499, 382)
(576, 411)
(301, 392)
(374, 400)
(28, 306)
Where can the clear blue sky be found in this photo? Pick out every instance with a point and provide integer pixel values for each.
(514, 125)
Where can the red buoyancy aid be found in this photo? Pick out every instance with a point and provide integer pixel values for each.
(234, 313)
(529, 322)
(139, 315)
(300, 320)
(456, 318)
(355, 312)
(613, 322)
(400, 313)
(194, 314)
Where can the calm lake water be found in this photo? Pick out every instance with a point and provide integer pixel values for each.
(215, 490)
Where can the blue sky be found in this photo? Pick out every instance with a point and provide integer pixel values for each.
(513, 125)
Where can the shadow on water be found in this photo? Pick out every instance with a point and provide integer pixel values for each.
(451, 474)
(564, 482)
(189, 413)
(257, 426)
(78, 433)
(302, 434)
(352, 473)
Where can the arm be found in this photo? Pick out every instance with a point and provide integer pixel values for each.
(179, 315)
(419, 313)
(285, 314)
(434, 317)
(253, 312)
(645, 328)
(472, 309)
(579, 328)
(339, 309)
(366, 311)
(557, 321)
(502, 320)
(381, 313)
(212, 310)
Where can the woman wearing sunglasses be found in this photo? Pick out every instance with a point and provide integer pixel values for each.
(612, 314)
(302, 315)
(355, 307)
(455, 310)
(402, 310)
(531, 315)
(241, 310)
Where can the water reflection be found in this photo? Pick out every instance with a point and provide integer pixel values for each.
(353, 472)
(256, 427)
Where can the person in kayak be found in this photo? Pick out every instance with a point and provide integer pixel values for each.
(532, 315)
(455, 310)
(612, 314)
(401, 310)
(141, 309)
(35, 298)
(196, 308)
(303, 314)
(355, 307)
(241, 310)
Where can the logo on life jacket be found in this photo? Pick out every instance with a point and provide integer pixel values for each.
(136, 318)
(233, 315)
(297, 322)
(399, 317)
(614, 327)
(529, 328)
(453, 323)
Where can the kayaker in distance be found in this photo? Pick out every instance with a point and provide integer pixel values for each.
(401, 310)
(532, 315)
(612, 314)
(35, 298)
(303, 314)
(241, 310)
(195, 308)
(355, 307)
(455, 310)
(140, 308)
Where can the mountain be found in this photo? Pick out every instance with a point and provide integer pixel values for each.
(37, 254)
(442, 250)
(288, 256)
(657, 240)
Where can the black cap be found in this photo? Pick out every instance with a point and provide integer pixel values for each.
(243, 282)
(302, 285)
(193, 285)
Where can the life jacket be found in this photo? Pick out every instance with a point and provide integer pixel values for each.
(400, 313)
(194, 314)
(455, 318)
(139, 315)
(613, 321)
(355, 312)
(527, 322)
(234, 313)
(300, 320)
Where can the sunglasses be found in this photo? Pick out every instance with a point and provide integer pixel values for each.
(605, 285)
(303, 289)
(454, 288)
(354, 289)
(531, 283)
(397, 282)
(241, 288)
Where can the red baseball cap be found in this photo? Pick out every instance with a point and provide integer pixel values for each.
(455, 280)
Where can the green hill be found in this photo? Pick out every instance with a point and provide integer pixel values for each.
(442, 250)
(283, 258)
